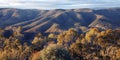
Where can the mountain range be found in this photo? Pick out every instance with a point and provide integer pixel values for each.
(59, 20)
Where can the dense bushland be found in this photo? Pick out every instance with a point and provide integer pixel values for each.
(94, 44)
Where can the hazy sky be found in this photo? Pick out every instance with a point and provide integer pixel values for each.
(58, 4)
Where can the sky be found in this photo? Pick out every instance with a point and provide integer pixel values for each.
(58, 4)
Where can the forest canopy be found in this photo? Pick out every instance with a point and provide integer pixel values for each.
(95, 44)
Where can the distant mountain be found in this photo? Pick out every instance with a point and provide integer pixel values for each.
(59, 20)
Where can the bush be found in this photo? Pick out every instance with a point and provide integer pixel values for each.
(53, 52)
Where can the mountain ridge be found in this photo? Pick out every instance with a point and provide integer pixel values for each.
(58, 20)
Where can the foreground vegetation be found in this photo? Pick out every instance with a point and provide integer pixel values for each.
(95, 44)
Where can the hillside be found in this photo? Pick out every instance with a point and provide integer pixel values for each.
(74, 34)
(59, 20)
